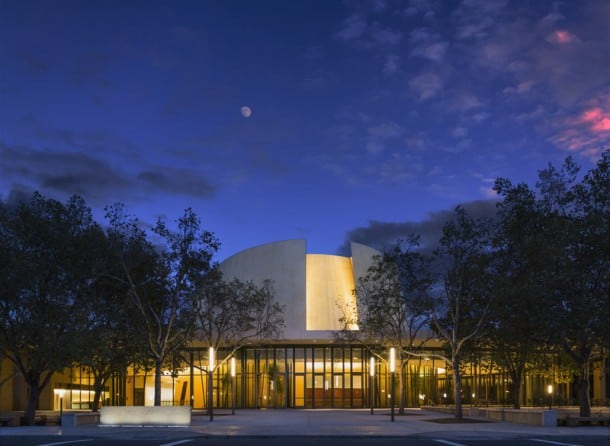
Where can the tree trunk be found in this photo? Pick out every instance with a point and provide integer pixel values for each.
(516, 390)
(582, 383)
(98, 388)
(158, 370)
(457, 386)
(30, 411)
(36, 382)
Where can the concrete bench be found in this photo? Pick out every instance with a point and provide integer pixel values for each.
(80, 419)
(51, 419)
(9, 420)
(146, 415)
(587, 421)
(546, 418)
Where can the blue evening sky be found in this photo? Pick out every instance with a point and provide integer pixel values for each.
(369, 119)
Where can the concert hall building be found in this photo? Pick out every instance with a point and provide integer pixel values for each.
(307, 367)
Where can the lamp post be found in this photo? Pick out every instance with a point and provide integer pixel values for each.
(549, 390)
(233, 385)
(61, 404)
(211, 383)
(372, 382)
(392, 369)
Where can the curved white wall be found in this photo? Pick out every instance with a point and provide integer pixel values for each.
(315, 289)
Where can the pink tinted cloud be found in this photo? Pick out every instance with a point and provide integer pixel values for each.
(589, 131)
(562, 37)
(597, 119)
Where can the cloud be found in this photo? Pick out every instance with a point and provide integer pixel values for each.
(588, 131)
(397, 168)
(384, 35)
(426, 85)
(434, 52)
(459, 132)
(427, 44)
(476, 19)
(61, 172)
(34, 65)
(68, 173)
(353, 28)
(384, 235)
(480, 117)
(562, 37)
(521, 88)
(176, 181)
(552, 18)
(357, 30)
(597, 119)
(462, 101)
(380, 133)
(532, 115)
(391, 65)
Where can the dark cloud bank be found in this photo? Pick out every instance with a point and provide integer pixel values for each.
(384, 235)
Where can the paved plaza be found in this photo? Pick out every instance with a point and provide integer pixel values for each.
(312, 423)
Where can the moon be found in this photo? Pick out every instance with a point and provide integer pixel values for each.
(246, 111)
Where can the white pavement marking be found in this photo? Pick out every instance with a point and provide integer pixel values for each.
(176, 442)
(66, 442)
(555, 442)
(450, 443)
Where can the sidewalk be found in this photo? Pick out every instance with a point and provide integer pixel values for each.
(312, 423)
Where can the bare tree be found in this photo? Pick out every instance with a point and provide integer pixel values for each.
(464, 292)
(163, 280)
(393, 307)
(231, 314)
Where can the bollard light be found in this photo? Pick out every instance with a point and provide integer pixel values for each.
(211, 359)
(211, 383)
(372, 382)
(392, 369)
(61, 404)
(233, 385)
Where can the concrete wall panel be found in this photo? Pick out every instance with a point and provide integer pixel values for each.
(284, 263)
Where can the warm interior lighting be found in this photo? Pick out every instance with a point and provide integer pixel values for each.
(329, 293)
(60, 392)
(549, 389)
(233, 367)
(440, 371)
(392, 360)
(372, 366)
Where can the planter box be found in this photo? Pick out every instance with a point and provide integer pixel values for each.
(544, 418)
(146, 415)
(80, 419)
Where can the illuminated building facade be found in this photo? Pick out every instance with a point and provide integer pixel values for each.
(307, 367)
